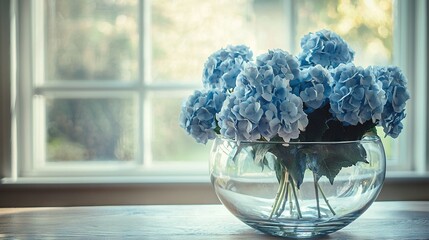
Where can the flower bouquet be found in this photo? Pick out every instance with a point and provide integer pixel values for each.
(319, 96)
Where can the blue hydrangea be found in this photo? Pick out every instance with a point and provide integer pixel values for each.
(222, 67)
(395, 85)
(260, 82)
(249, 81)
(198, 114)
(261, 106)
(292, 117)
(282, 63)
(270, 124)
(391, 121)
(325, 48)
(269, 98)
(357, 96)
(239, 118)
(314, 87)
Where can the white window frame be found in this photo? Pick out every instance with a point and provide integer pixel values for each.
(410, 35)
(411, 17)
(31, 111)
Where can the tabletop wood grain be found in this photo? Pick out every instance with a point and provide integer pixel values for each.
(383, 220)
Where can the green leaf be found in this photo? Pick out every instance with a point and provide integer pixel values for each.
(260, 151)
(257, 152)
(289, 158)
(238, 148)
(328, 160)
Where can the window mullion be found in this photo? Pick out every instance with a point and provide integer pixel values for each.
(7, 15)
(24, 75)
(77, 86)
(145, 125)
(38, 101)
(290, 14)
(420, 68)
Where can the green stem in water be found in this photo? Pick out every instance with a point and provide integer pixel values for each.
(284, 200)
(279, 196)
(295, 196)
(316, 184)
(326, 200)
(290, 202)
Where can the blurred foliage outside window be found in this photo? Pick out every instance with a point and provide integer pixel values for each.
(99, 42)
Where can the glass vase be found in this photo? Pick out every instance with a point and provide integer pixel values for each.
(298, 189)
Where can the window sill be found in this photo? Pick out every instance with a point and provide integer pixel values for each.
(82, 181)
(33, 192)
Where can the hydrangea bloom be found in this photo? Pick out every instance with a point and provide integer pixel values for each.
(391, 121)
(283, 64)
(269, 98)
(198, 114)
(357, 96)
(239, 118)
(292, 117)
(223, 66)
(260, 82)
(314, 87)
(261, 105)
(394, 84)
(325, 48)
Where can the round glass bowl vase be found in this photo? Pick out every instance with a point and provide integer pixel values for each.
(299, 189)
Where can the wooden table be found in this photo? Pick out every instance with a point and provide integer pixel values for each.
(384, 220)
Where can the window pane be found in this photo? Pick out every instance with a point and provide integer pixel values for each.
(169, 141)
(91, 40)
(366, 25)
(184, 33)
(90, 129)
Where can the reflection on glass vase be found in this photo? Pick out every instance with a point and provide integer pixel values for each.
(297, 189)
